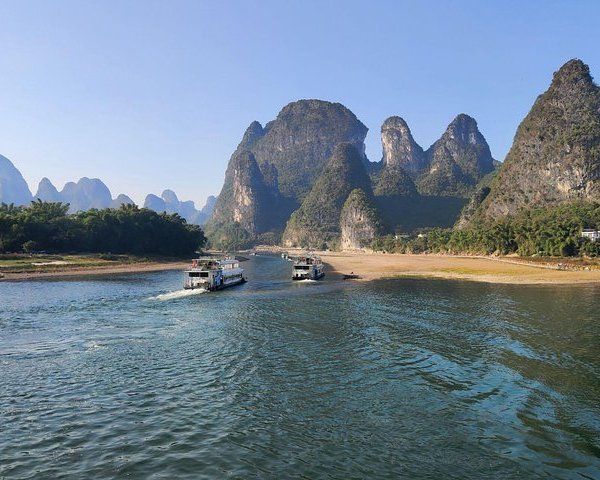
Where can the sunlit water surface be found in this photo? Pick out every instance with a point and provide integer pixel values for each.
(130, 377)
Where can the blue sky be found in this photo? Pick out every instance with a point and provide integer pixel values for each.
(148, 95)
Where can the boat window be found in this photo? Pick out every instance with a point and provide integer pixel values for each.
(204, 274)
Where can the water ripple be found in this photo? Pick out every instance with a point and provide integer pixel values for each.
(134, 377)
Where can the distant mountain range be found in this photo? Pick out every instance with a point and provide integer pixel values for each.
(13, 187)
(168, 202)
(92, 193)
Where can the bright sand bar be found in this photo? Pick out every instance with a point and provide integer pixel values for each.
(371, 266)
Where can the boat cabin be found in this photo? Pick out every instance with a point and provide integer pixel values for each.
(213, 274)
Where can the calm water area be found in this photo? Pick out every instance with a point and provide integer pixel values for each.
(128, 376)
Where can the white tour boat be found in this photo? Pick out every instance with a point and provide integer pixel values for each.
(309, 267)
(214, 274)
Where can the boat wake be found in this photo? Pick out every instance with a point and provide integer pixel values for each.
(307, 280)
(177, 294)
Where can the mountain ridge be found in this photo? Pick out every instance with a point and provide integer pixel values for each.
(555, 155)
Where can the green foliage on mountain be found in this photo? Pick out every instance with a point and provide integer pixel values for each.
(295, 147)
(550, 231)
(317, 221)
(482, 190)
(228, 236)
(274, 168)
(447, 180)
(457, 161)
(129, 229)
(555, 156)
(393, 180)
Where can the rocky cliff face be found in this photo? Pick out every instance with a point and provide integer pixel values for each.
(457, 161)
(291, 153)
(317, 221)
(245, 199)
(359, 221)
(403, 159)
(293, 149)
(13, 187)
(400, 148)
(273, 168)
(555, 156)
(253, 133)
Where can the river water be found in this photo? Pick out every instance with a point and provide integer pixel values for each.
(129, 377)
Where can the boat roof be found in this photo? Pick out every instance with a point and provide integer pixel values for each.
(308, 259)
(211, 263)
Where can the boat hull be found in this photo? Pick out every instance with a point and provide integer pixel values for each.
(312, 276)
(208, 288)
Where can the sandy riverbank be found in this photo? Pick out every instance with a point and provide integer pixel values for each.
(97, 270)
(371, 266)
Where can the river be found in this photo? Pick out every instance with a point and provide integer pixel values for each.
(128, 376)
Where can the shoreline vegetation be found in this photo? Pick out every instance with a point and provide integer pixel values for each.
(138, 239)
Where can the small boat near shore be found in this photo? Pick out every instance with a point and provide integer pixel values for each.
(308, 267)
(350, 276)
(213, 274)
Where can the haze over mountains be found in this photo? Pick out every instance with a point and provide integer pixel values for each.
(13, 187)
(89, 193)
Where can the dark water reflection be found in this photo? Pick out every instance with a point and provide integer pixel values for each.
(394, 379)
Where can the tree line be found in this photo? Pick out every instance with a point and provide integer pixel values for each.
(46, 226)
(553, 231)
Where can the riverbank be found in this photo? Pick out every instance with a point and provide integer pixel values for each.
(22, 268)
(372, 266)
(369, 266)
